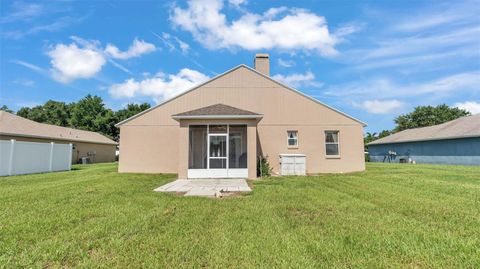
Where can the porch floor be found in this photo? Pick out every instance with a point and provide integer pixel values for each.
(205, 187)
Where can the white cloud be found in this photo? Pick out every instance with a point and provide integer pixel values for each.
(471, 106)
(297, 80)
(24, 82)
(70, 62)
(85, 58)
(137, 48)
(159, 87)
(428, 39)
(443, 14)
(281, 28)
(380, 106)
(237, 2)
(285, 63)
(386, 88)
(348, 29)
(22, 12)
(30, 66)
(170, 40)
(183, 45)
(57, 25)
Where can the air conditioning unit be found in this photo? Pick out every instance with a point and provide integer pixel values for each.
(85, 160)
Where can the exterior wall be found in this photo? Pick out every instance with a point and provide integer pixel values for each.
(147, 143)
(311, 142)
(104, 152)
(465, 151)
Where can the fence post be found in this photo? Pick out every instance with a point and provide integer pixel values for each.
(10, 164)
(70, 157)
(50, 165)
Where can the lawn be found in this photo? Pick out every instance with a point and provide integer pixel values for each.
(421, 216)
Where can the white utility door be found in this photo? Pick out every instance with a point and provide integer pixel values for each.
(292, 164)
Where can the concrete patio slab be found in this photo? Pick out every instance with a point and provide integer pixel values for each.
(205, 187)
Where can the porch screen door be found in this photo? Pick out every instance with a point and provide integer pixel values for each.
(217, 155)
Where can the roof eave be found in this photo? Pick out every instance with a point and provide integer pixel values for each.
(210, 117)
(422, 140)
(59, 138)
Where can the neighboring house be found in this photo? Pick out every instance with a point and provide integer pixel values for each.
(453, 142)
(94, 146)
(219, 128)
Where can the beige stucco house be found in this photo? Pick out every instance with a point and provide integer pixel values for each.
(218, 129)
(94, 146)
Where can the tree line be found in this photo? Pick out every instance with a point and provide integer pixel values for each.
(421, 116)
(89, 113)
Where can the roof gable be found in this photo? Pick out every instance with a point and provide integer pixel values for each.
(250, 70)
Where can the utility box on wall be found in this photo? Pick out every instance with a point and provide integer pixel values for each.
(293, 164)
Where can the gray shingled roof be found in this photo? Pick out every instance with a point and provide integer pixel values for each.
(14, 125)
(468, 126)
(216, 110)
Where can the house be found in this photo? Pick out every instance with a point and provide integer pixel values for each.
(219, 128)
(453, 142)
(94, 146)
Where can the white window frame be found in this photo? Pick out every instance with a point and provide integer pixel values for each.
(332, 143)
(296, 139)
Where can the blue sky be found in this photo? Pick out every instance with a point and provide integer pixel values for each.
(371, 59)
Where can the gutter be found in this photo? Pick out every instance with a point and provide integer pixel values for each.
(209, 117)
(422, 140)
(59, 138)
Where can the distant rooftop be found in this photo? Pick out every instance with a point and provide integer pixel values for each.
(14, 125)
(468, 126)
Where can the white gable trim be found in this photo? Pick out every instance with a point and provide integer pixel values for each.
(227, 72)
(307, 96)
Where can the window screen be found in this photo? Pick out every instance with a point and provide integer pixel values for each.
(292, 138)
(331, 143)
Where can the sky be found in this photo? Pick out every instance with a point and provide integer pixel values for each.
(373, 60)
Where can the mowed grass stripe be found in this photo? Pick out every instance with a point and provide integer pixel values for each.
(389, 216)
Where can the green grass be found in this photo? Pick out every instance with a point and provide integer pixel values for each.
(421, 216)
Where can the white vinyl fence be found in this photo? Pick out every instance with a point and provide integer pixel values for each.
(18, 157)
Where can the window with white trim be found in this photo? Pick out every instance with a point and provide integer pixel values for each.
(292, 139)
(332, 145)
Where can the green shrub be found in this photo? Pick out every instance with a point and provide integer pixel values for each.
(263, 167)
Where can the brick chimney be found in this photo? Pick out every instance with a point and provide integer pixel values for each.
(262, 63)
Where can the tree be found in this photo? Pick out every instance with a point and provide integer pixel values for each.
(86, 114)
(89, 113)
(6, 109)
(130, 110)
(423, 116)
(370, 137)
(35, 113)
(52, 112)
(123, 114)
(57, 113)
(384, 133)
